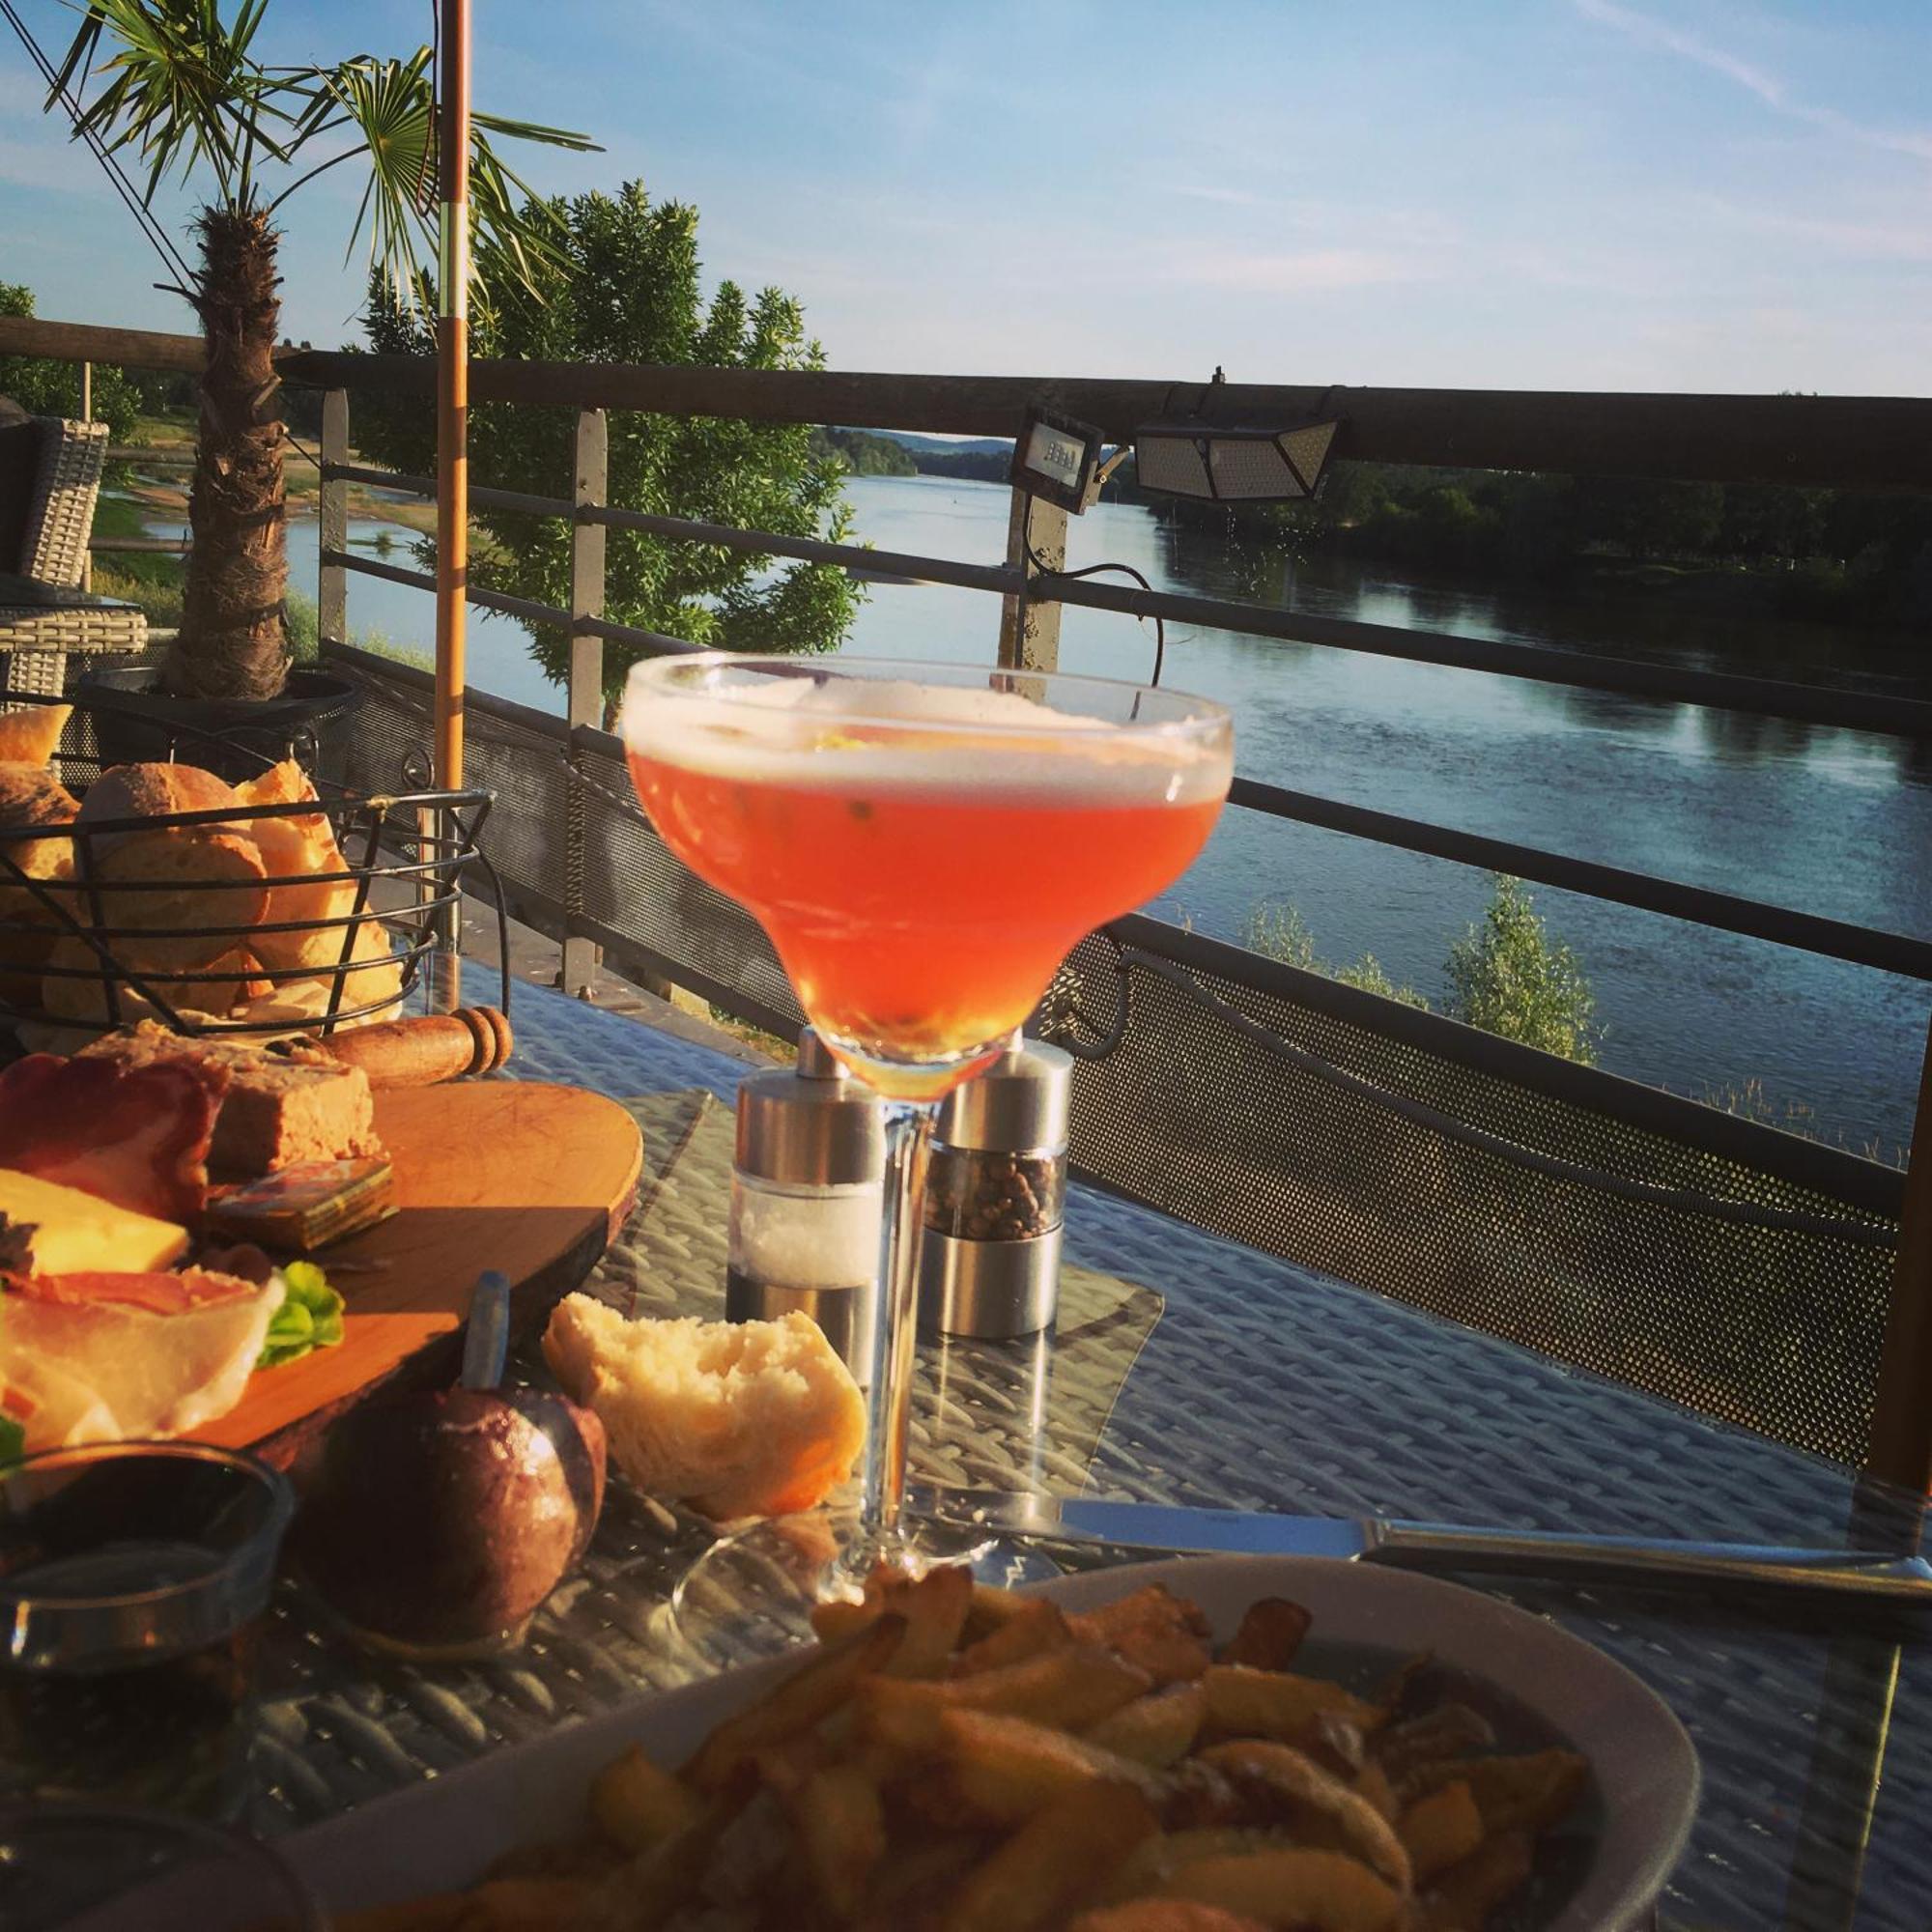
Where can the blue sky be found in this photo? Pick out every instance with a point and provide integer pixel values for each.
(1677, 194)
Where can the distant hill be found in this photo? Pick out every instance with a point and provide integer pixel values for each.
(863, 453)
(940, 446)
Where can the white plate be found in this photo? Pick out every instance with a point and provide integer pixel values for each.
(1552, 1686)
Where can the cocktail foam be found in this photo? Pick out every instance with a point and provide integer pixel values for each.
(849, 735)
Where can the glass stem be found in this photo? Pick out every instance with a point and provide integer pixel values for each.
(908, 1132)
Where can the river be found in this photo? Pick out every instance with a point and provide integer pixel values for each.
(1827, 821)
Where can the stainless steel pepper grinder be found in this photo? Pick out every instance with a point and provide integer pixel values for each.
(995, 1196)
(807, 1201)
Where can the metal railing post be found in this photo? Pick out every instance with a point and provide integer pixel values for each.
(1029, 628)
(331, 582)
(1901, 1432)
(586, 693)
(87, 415)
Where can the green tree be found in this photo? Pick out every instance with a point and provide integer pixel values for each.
(1510, 976)
(185, 88)
(48, 389)
(1276, 929)
(625, 288)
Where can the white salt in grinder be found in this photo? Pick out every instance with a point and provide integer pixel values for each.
(808, 1199)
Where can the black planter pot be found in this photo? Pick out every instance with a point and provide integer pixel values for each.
(234, 737)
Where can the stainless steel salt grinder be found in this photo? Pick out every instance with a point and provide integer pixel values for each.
(806, 1198)
(995, 1196)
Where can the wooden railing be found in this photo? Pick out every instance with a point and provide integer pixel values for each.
(1856, 442)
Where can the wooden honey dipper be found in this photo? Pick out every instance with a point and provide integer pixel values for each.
(421, 1052)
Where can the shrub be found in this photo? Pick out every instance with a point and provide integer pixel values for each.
(1510, 976)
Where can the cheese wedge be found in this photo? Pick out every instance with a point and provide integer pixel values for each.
(48, 1228)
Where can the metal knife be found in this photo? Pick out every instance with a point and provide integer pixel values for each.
(1869, 1575)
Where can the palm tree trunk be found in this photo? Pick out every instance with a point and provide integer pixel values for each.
(232, 643)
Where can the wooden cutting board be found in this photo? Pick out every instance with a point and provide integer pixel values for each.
(513, 1175)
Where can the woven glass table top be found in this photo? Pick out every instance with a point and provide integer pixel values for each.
(1245, 1382)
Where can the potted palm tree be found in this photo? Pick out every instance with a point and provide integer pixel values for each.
(184, 88)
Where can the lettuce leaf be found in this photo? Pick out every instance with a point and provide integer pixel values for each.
(12, 1439)
(310, 1317)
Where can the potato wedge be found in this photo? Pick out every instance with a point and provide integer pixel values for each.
(841, 1834)
(801, 1700)
(1157, 1729)
(1513, 1793)
(1440, 1830)
(1450, 1730)
(1372, 1781)
(1156, 1860)
(636, 1804)
(1002, 1770)
(1036, 1626)
(1066, 1690)
(1154, 1629)
(1285, 1787)
(436, 1913)
(1245, 1703)
(1328, 1892)
(1463, 1897)
(1057, 1861)
(1271, 1632)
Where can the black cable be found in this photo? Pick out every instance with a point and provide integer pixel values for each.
(144, 216)
(1125, 570)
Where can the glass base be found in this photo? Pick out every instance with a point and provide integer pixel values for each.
(751, 1594)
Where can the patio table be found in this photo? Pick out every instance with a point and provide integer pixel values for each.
(1262, 1385)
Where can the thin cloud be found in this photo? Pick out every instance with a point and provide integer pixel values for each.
(1647, 31)
(1304, 271)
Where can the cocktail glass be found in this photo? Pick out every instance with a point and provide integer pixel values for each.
(923, 844)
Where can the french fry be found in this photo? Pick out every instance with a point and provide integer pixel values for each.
(1326, 1891)
(1162, 1915)
(1450, 1730)
(1036, 1626)
(1513, 1793)
(1245, 1703)
(1270, 1632)
(1154, 1629)
(934, 1608)
(1463, 1897)
(636, 1804)
(1372, 1782)
(993, 1606)
(1156, 1860)
(1158, 1730)
(1067, 1690)
(1440, 1830)
(1056, 1860)
(1003, 1770)
(1286, 1786)
(841, 1834)
(801, 1700)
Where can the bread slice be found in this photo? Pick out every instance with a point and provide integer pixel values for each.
(31, 733)
(31, 796)
(207, 877)
(736, 1418)
(275, 1112)
(73, 990)
(298, 844)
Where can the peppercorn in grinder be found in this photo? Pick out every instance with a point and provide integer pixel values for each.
(995, 1196)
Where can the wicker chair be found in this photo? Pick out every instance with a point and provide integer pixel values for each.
(37, 639)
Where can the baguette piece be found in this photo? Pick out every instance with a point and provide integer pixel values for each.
(736, 1418)
(212, 873)
(299, 842)
(31, 733)
(276, 1112)
(84, 999)
(30, 795)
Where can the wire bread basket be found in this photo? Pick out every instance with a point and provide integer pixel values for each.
(87, 942)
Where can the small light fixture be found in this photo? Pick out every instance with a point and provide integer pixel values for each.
(1234, 462)
(1055, 458)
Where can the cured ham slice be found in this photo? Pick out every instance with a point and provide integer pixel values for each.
(135, 1136)
(104, 1357)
